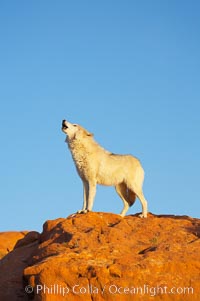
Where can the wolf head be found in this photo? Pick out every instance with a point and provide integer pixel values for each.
(74, 131)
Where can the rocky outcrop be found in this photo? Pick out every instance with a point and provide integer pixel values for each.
(8, 241)
(13, 265)
(101, 256)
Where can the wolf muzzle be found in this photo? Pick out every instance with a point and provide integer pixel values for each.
(64, 126)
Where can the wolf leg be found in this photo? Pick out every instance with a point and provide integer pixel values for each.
(143, 201)
(121, 189)
(91, 195)
(85, 197)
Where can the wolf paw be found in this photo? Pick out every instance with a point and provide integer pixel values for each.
(143, 215)
(82, 211)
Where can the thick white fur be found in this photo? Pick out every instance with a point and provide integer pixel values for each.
(95, 166)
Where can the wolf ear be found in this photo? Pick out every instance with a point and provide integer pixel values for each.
(82, 132)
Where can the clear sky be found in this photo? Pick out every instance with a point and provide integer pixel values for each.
(128, 71)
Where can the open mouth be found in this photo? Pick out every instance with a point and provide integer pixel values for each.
(64, 126)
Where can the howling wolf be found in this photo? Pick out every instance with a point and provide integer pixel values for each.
(95, 165)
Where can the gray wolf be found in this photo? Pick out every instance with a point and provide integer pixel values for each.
(95, 165)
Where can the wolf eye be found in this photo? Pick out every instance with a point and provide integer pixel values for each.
(74, 124)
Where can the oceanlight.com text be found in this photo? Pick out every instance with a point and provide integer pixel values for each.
(113, 289)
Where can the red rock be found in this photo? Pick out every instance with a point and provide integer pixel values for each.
(86, 253)
(29, 238)
(11, 270)
(8, 241)
(101, 256)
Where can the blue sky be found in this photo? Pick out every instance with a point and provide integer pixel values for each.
(128, 71)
